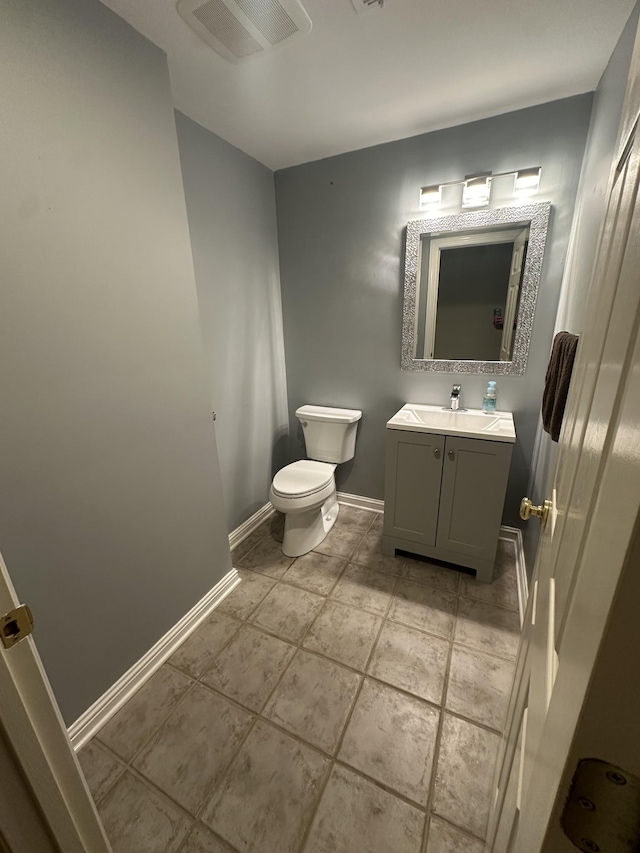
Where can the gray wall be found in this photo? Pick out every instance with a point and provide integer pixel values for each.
(599, 160)
(232, 221)
(340, 226)
(111, 518)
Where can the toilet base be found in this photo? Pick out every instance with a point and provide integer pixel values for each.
(304, 531)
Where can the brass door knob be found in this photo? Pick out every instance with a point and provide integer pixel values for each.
(527, 509)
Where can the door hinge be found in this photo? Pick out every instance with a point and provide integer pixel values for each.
(602, 812)
(16, 625)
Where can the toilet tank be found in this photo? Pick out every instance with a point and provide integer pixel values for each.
(329, 434)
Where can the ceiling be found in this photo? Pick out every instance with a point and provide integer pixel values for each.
(361, 79)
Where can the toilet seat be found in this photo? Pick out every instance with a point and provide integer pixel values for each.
(302, 479)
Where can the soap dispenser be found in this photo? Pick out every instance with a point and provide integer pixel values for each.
(490, 398)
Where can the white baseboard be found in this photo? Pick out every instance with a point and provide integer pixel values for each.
(89, 723)
(247, 527)
(514, 534)
(362, 503)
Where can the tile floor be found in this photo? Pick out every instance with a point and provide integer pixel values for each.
(344, 701)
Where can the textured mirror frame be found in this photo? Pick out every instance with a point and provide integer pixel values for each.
(534, 215)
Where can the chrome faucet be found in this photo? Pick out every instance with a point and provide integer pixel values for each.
(455, 400)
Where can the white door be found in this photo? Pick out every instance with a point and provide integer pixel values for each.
(593, 509)
(513, 292)
(45, 805)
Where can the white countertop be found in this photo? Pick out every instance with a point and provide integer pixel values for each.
(472, 423)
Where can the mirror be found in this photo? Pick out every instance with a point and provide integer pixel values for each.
(471, 283)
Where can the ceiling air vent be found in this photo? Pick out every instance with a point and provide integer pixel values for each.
(363, 5)
(240, 29)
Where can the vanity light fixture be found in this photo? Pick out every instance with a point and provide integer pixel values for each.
(527, 181)
(476, 189)
(430, 196)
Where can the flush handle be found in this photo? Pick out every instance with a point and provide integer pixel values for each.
(527, 509)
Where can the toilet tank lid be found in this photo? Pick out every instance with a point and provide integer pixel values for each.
(327, 413)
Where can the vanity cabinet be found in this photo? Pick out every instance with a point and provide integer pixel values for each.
(444, 497)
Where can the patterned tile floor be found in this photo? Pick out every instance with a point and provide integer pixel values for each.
(343, 701)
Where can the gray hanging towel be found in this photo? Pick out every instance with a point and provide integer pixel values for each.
(556, 383)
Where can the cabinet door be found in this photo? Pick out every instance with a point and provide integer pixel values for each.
(474, 482)
(412, 485)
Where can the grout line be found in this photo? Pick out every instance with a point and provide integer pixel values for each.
(223, 648)
(349, 716)
(159, 792)
(473, 598)
(436, 746)
(383, 786)
(382, 623)
(266, 574)
(343, 564)
(151, 786)
(494, 655)
(157, 732)
(344, 729)
(220, 841)
(503, 657)
(258, 540)
(253, 610)
(419, 630)
(165, 720)
(215, 785)
(160, 725)
(123, 768)
(323, 787)
(262, 719)
(433, 584)
(460, 829)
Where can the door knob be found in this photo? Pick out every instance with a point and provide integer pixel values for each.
(451, 455)
(436, 453)
(527, 509)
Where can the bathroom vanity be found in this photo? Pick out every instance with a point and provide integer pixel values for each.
(445, 485)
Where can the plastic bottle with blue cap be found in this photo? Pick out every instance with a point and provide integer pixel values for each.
(490, 398)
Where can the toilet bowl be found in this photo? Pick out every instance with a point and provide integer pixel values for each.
(305, 491)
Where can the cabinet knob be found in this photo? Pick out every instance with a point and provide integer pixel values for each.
(436, 453)
(451, 455)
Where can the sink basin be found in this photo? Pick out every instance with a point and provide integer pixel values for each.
(470, 424)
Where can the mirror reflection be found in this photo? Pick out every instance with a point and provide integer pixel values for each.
(470, 288)
(468, 294)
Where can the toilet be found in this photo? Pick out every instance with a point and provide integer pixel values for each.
(305, 491)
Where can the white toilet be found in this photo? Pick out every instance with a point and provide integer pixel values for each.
(306, 491)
